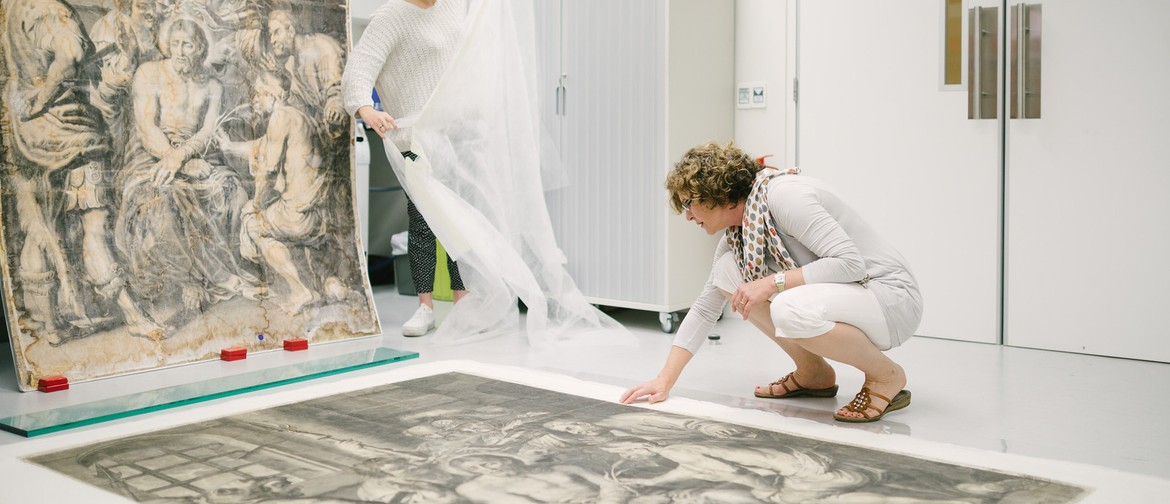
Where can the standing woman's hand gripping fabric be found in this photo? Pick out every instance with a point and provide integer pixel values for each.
(380, 121)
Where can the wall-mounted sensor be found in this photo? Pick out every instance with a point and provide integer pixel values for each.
(751, 95)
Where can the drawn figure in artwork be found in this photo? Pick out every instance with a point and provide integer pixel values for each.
(289, 211)
(769, 474)
(237, 47)
(758, 472)
(180, 208)
(314, 63)
(667, 428)
(504, 478)
(124, 38)
(57, 152)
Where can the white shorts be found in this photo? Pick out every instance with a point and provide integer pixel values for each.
(811, 310)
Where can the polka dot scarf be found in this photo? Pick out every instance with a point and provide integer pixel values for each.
(757, 237)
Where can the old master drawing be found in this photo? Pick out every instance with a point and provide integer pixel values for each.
(176, 179)
(462, 438)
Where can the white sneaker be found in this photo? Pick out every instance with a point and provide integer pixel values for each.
(420, 323)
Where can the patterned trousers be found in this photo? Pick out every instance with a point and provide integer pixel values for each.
(420, 245)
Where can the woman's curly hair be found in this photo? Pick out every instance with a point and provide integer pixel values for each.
(712, 175)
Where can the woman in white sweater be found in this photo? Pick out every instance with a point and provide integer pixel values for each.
(805, 269)
(404, 52)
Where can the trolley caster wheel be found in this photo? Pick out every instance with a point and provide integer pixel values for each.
(669, 321)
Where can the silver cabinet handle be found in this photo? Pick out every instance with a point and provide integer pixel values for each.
(983, 41)
(560, 91)
(563, 93)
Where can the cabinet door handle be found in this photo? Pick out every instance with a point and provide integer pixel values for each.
(1025, 79)
(562, 93)
(982, 72)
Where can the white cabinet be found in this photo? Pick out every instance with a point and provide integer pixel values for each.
(1046, 232)
(626, 88)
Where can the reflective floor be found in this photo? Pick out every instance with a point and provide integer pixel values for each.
(1096, 410)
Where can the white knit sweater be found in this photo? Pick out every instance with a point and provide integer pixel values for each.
(403, 53)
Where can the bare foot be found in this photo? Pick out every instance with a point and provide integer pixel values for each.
(193, 297)
(51, 336)
(143, 327)
(888, 386)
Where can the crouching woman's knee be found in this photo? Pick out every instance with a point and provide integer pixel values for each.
(797, 316)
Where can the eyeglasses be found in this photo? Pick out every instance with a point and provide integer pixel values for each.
(686, 204)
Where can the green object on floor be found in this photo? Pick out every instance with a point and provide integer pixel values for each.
(441, 289)
(442, 285)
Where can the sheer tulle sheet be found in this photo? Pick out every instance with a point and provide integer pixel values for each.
(478, 183)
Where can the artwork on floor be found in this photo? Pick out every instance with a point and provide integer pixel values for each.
(176, 180)
(456, 437)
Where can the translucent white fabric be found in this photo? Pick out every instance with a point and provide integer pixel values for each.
(478, 183)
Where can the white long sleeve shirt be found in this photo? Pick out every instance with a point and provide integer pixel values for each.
(403, 52)
(833, 244)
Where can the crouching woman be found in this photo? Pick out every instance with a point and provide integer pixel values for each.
(805, 269)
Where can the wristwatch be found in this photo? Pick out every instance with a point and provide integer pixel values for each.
(779, 281)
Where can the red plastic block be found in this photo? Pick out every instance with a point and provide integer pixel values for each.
(297, 344)
(233, 353)
(52, 383)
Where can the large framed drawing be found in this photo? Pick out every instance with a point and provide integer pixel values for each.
(176, 179)
(459, 431)
(456, 437)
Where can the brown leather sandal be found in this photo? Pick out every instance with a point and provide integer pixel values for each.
(863, 401)
(795, 392)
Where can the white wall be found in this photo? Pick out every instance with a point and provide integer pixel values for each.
(761, 43)
(359, 16)
(363, 9)
(357, 27)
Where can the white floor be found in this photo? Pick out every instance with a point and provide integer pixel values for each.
(1095, 410)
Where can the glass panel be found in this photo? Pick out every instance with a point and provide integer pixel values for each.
(78, 415)
(953, 43)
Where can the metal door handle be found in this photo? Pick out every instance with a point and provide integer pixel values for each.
(982, 71)
(1025, 79)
